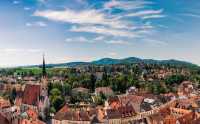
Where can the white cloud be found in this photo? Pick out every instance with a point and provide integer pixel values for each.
(103, 30)
(145, 13)
(145, 26)
(102, 22)
(117, 42)
(42, 1)
(191, 15)
(99, 38)
(38, 24)
(153, 16)
(126, 5)
(92, 17)
(78, 40)
(16, 2)
(27, 8)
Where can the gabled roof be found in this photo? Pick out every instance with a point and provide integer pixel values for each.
(80, 89)
(125, 99)
(121, 112)
(31, 94)
(104, 90)
(72, 116)
(66, 114)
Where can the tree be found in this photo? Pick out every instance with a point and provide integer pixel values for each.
(98, 100)
(66, 89)
(93, 81)
(175, 79)
(119, 83)
(55, 92)
(56, 99)
(156, 88)
(77, 97)
(57, 102)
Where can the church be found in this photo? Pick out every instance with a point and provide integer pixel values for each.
(35, 95)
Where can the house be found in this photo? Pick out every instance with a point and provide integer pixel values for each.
(71, 117)
(67, 115)
(116, 102)
(107, 91)
(149, 104)
(3, 119)
(9, 115)
(121, 115)
(56, 79)
(113, 116)
(100, 116)
(99, 75)
(80, 90)
(133, 100)
(26, 121)
(31, 95)
(185, 89)
(4, 103)
(30, 117)
(112, 103)
(35, 97)
(180, 112)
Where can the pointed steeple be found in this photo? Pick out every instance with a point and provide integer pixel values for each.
(44, 73)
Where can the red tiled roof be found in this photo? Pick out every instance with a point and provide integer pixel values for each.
(3, 119)
(31, 94)
(72, 116)
(113, 99)
(197, 121)
(64, 109)
(122, 112)
(66, 114)
(131, 99)
(32, 114)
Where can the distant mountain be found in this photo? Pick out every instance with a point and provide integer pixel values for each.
(134, 60)
(106, 61)
(130, 60)
(110, 61)
(70, 64)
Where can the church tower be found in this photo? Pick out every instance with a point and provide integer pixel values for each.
(44, 100)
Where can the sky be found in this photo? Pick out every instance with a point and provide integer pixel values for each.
(86, 30)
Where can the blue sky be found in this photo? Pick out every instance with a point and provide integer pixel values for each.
(85, 30)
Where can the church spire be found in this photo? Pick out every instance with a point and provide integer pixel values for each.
(44, 73)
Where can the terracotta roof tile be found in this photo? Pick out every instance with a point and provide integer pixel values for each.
(122, 112)
(31, 94)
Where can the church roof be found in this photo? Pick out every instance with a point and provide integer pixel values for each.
(31, 94)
